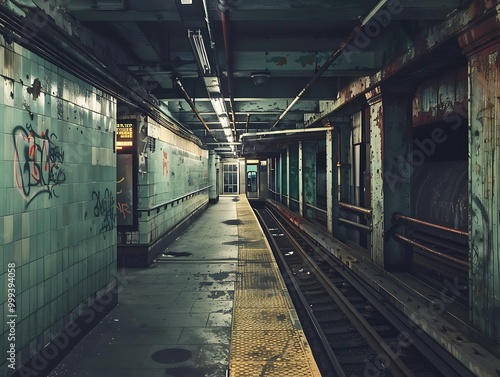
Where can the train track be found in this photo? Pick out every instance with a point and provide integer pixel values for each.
(353, 331)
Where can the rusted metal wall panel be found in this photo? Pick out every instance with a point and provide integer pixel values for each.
(484, 167)
(429, 101)
(440, 98)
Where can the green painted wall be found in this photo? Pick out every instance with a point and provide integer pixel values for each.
(57, 197)
(309, 176)
(174, 168)
(294, 171)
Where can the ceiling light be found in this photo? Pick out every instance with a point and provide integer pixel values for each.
(260, 78)
(200, 52)
(224, 121)
(212, 83)
(219, 105)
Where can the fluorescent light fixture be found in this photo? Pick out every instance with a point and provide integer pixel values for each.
(225, 126)
(186, 2)
(200, 52)
(219, 105)
(212, 84)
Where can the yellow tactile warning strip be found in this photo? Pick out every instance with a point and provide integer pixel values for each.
(266, 337)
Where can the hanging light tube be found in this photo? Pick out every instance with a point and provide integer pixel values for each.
(219, 106)
(200, 52)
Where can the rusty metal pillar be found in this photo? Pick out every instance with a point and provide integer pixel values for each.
(482, 46)
(341, 156)
(390, 143)
(277, 174)
(330, 188)
(301, 180)
(294, 176)
(285, 178)
(377, 176)
(309, 178)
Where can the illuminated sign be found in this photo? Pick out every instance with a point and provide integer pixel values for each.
(124, 135)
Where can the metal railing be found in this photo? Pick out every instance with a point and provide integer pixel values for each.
(172, 201)
(412, 220)
(367, 212)
(355, 208)
(316, 214)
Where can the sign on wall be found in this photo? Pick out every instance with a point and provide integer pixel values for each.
(126, 186)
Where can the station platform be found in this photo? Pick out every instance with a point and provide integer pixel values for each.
(213, 304)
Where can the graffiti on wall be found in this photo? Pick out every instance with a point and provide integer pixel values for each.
(123, 207)
(104, 208)
(165, 164)
(125, 190)
(37, 163)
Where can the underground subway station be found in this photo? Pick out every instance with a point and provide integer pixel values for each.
(236, 188)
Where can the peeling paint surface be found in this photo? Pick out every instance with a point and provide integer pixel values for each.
(484, 165)
(377, 182)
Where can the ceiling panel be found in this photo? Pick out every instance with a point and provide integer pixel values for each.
(285, 41)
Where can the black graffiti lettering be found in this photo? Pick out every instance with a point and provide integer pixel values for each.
(105, 207)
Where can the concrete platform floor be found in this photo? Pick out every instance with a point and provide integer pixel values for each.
(174, 318)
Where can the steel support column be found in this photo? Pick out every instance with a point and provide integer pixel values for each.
(278, 178)
(309, 177)
(341, 176)
(329, 181)
(482, 45)
(288, 170)
(294, 176)
(284, 177)
(301, 179)
(377, 178)
(213, 165)
(390, 144)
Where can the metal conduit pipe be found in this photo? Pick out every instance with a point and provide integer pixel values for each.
(430, 225)
(334, 56)
(460, 262)
(228, 50)
(355, 224)
(292, 131)
(192, 105)
(366, 211)
(50, 44)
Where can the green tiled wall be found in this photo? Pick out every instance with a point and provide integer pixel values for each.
(172, 172)
(57, 189)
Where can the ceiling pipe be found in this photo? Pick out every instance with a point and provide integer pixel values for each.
(47, 41)
(288, 132)
(332, 58)
(229, 61)
(247, 123)
(193, 106)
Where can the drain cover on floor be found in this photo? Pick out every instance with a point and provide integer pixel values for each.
(171, 355)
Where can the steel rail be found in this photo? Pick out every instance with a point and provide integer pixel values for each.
(317, 327)
(439, 356)
(375, 341)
